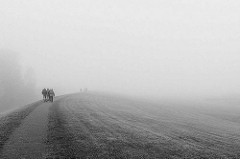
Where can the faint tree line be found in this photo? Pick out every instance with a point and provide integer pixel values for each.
(16, 88)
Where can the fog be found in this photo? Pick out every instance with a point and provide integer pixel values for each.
(17, 87)
(158, 48)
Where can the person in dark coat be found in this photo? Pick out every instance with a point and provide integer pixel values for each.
(47, 95)
(44, 93)
(51, 95)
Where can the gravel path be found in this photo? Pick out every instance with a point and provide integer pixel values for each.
(27, 141)
(11, 121)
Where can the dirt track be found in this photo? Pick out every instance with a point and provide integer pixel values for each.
(27, 141)
(101, 126)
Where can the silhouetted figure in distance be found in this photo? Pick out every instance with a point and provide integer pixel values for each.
(51, 95)
(44, 93)
(47, 95)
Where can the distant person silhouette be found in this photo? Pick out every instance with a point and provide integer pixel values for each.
(44, 93)
(51, 95)
(47, 95)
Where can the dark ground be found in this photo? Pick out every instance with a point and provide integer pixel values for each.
(90, 125)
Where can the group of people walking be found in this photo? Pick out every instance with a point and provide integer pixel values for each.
(48, 94)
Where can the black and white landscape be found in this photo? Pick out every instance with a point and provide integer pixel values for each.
(143, 79)
(93, 125)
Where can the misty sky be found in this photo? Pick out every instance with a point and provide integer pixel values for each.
(142, 47)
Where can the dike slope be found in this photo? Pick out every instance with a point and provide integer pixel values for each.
(89, 125)
(94, 125)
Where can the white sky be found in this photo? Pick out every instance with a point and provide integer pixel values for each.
(143, 47)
